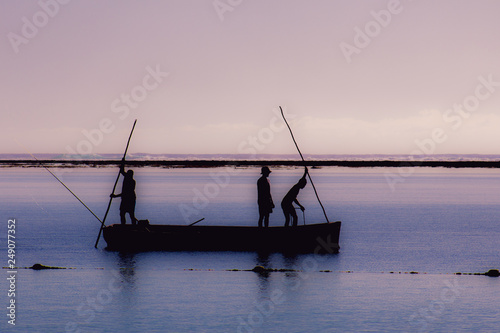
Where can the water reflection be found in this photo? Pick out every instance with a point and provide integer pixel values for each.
(126, 266)
(126, 263)
(287, 274)
(263, 260)
(273, 292)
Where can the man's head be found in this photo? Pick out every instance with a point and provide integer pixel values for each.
(302, 182)
(130, 173)
(265, 171)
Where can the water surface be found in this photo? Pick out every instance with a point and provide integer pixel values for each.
(435, 222)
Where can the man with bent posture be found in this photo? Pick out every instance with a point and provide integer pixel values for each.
(290, 198)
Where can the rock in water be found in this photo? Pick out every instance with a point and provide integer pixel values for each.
(493, 272)
(259, 269)
(38, 267)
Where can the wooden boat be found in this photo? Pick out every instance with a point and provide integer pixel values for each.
(313, 238)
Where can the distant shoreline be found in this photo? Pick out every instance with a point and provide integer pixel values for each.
(255, 163)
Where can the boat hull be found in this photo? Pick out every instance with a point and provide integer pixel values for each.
(313, 238)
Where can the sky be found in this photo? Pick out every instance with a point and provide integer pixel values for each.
(208, 76)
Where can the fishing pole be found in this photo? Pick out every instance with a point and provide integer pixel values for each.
(196, 222)
(66, 187)
(302, 157)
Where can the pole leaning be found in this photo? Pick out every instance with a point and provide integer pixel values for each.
(302, 157)
(114, 188)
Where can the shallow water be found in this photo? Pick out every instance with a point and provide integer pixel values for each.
(435, 222)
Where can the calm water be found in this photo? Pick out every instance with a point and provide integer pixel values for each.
(435, 222)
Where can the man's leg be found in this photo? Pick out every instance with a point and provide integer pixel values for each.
(294, 218)
(132, 217)
(132, 213)
(122, 216)
(287, 217)
(261, 216)
(266, 220)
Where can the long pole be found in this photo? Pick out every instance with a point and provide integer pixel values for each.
(114, 188)
(196, 222)
(302, 157)
(66, 187)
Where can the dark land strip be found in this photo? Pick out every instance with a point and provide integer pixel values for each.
(243, 163)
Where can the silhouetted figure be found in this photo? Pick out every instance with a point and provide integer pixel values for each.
(264, 198)
(290, 198)
(128, 194)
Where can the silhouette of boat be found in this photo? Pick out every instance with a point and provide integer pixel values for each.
(313, 238)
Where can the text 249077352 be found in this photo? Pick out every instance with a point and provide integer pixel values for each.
(12, 272)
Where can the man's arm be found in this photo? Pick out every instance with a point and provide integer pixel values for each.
(305, 172)
(302, 208)
(122, 167)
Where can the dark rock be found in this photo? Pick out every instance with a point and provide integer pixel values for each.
(493, 273)
(259, 269)
(38, 267)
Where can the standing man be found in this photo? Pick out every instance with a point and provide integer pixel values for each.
(264, 199)
(290, 198)
(128, 194)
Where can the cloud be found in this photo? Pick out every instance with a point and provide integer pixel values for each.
(397, 135)
(477, 134)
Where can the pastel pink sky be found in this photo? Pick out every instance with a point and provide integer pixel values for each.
(360, 77)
